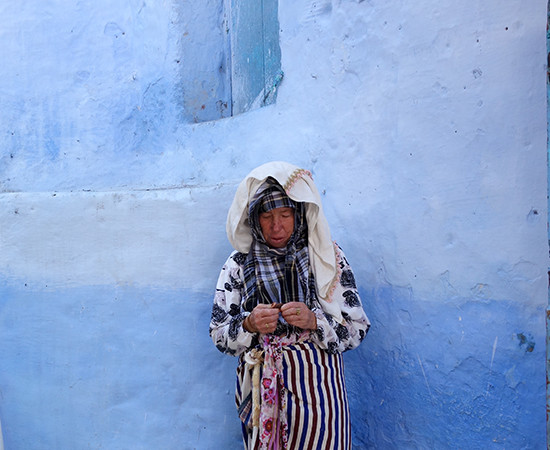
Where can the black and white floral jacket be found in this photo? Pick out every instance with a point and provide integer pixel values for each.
(226, 324)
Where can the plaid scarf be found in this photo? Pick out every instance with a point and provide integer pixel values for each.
(275, 275)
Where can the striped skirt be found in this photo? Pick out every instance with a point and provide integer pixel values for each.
(316, 402)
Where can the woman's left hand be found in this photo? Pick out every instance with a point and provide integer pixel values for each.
(299, 315)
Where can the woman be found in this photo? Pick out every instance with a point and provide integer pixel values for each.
(286, 303)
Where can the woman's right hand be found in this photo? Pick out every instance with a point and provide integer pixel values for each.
(262, 319)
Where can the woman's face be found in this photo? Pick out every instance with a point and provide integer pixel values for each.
(277, 226)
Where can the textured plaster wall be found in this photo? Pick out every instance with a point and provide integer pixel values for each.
(424, 125)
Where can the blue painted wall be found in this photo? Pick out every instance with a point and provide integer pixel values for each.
(425, 128)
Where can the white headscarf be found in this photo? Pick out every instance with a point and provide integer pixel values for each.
(299, 186)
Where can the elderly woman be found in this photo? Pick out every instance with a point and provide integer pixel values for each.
(286, 303)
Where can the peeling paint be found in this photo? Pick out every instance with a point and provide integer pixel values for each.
(526, 341)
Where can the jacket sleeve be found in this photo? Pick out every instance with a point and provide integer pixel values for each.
(226, 323)
(330, 334)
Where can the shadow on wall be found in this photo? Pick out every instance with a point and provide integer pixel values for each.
(118, 366)
(124, 367)
(469, 368)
